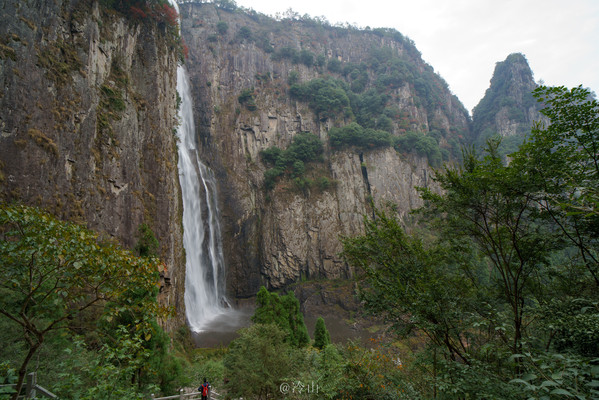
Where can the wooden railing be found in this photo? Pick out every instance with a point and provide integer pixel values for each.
(189, 396)
(32, 389)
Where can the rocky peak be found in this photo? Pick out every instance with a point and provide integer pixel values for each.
(508, 107)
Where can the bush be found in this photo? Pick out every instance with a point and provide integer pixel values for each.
(355, 135)
(222, 27)
(306, 57)
(422, 144)
(147, 244)
(287, 52)
(258, 362)
(334, 65)
(306, 147)
(244, 33)
(247, 98)
(293, 78)
(326, 97)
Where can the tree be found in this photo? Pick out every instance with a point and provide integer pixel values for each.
(258, 361)
(55, 270)
(490, 204)
(563, 160)
(410, 284)
(502, 275)
(283, 311)
(321, 334)
(147, 245)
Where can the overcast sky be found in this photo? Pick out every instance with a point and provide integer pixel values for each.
(463, 39)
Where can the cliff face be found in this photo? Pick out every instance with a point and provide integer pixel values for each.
(87, 119)
(291, 231)
(508, 107)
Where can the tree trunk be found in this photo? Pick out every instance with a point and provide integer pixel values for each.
(23, 369)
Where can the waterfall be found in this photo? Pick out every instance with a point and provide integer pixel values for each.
(204, 278)
(204, 267)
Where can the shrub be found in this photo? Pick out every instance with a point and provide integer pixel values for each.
(422, 144)
(355, 135)
(293, 78)
(306, 57)
(334, 65)
(306, 147)
(147, 244)
(222, 27)
(326, 97)
(247, 98)
(244, 33)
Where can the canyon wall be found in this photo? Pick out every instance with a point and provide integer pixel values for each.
(291, 232)
(87, 124)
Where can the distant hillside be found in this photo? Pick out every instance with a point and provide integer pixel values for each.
(508, 107)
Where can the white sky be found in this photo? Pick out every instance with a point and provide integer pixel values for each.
(463, 39)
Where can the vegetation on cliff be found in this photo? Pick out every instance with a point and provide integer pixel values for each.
(365, 96)
(291, 162)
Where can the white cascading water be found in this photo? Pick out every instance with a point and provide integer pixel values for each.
(205, 273)
(204, 278)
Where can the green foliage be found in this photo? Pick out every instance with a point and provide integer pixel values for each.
(57, 271)
(326, 97)
(423, 145)
(501, 96)
(368, 107)
(563, 164)
(321, 334)
(423, 285)
(258, 362)
(354, 135)
(228, 5)
(573, 325)
(147, 244)
(335, 65)
(112, 99)
(553, 375)
(306, 57)
(248, 99)
(372, 373)
(368, 103)
(222, 27)
(293, 78)
(504, 284)
(244, 33)
(287, 53)
(284, 312)
(305, 147)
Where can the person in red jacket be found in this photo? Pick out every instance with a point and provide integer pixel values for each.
(204, 390)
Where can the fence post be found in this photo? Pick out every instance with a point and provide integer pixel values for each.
(29, 388)
(152, 397)
(181, 394)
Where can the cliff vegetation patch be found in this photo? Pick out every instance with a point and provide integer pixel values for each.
(291, 162)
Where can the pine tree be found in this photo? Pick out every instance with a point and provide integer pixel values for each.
(321, 334)
(283, 311)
